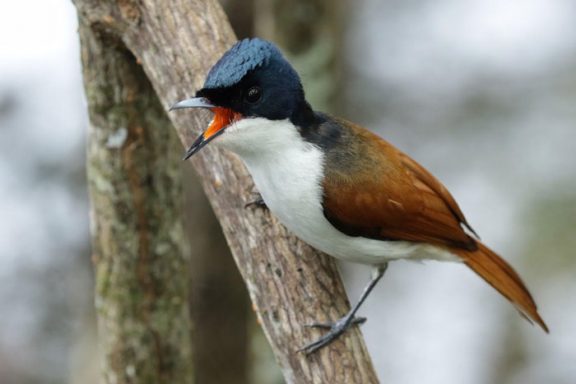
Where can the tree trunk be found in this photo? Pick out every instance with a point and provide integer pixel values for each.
(289, 283)
(138, 240)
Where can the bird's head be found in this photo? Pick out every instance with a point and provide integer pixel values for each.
(251, 80)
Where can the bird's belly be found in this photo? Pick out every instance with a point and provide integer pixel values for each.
(293, 193)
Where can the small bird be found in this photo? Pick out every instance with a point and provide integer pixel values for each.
(336, 185)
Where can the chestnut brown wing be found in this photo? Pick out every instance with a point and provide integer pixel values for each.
(389, 196)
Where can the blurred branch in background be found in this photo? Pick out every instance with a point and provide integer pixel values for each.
(138, 240)
(241, 16)
(219, 301)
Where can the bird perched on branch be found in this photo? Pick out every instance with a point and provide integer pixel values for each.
(336, 185)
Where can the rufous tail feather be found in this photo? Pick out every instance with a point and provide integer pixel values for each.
(499, 274)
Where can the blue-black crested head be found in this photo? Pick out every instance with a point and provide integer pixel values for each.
(244, 56)
(255, 80)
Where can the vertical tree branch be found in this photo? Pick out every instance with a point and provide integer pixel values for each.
(136, 197)
(289, 283)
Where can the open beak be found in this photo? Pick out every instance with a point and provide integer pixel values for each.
(223, 117)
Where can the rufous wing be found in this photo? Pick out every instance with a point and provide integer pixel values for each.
(389, 196)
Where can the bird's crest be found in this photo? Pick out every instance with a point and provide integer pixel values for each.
(243, 57)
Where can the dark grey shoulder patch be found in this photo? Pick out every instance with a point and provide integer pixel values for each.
(243, 57)
(325, 132)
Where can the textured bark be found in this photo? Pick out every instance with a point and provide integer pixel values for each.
(138, 240)
(289, 283)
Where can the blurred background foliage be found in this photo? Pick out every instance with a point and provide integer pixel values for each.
(481, 92)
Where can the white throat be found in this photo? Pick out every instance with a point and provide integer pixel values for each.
(259, 137)
(286, 169)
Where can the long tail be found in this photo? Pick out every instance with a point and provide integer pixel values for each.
(499, 274)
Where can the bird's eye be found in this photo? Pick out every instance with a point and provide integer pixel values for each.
(254, 94)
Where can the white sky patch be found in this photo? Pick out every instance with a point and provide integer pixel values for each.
(499, 32)
(443, 44)
(34, 30)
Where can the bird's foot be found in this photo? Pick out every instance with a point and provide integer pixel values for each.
(257, 203)
(334, 331)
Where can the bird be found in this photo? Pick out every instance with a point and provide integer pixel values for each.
(336, 185)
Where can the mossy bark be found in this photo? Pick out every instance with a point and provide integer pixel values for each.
(290, 284)
(138, 240)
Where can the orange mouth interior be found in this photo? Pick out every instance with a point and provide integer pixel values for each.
(223, 117)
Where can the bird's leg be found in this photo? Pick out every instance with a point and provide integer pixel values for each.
(258, 202)
(341, 325)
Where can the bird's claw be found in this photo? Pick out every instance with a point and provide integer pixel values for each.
(334, 331)
(256, 203)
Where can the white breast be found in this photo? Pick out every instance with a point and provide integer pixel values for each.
(288, 171)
